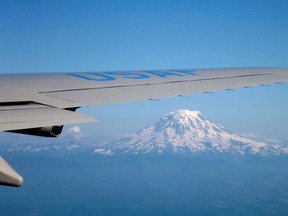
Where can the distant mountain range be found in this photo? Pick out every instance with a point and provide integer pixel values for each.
(186, 131)
(179, 132)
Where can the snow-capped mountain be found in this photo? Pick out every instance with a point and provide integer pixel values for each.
(185, 131)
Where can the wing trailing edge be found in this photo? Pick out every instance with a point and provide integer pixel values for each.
(27, 115)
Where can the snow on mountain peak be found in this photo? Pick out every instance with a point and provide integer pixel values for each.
(185, 113)
(186, 123)
(184, 116)
(189, 131)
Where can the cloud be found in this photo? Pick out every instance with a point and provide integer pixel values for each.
(261, 139)
(75, 133)
(75, 129)
(273, 141)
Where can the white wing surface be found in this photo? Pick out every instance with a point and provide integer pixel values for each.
(42, 100)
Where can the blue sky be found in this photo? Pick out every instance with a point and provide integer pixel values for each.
(62, 36)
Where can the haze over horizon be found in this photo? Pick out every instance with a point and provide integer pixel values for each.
(179, 132)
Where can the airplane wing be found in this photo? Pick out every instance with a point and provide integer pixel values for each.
(40, 104)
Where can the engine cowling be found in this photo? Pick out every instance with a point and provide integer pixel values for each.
(51, 131)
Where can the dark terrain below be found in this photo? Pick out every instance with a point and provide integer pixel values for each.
(147, 185)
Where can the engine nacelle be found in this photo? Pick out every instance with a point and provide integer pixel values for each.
(51, 131)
